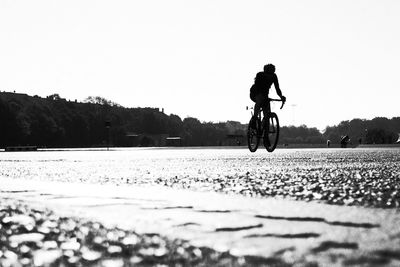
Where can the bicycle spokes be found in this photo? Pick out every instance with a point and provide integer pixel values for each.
(253, 136)
(268, 129)
(272, 127)
(272, 134)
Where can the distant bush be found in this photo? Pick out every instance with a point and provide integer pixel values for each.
(379, 130)
(300, 135)
(380, 136)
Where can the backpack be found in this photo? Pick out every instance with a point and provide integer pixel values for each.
(253, 92)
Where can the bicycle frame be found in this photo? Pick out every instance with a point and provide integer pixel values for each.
(269, 108)
(264, 129)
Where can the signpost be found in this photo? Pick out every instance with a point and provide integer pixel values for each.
(107, 124)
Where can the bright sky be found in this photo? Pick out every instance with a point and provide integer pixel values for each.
(336, 60)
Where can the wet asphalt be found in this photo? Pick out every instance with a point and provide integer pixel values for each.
(362, 177)
(32, 237)
(341, 177)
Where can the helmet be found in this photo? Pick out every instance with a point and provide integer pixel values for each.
(269, 68)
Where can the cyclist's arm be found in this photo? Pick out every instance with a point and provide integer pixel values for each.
(276, 85)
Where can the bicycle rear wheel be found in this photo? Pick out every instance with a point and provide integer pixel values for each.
(253, 138)
(271, 135)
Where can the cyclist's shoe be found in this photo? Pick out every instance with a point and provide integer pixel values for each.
(266, 141)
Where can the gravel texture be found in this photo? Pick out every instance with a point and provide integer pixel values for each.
(34, 237)
(364, 177)
(341, 177)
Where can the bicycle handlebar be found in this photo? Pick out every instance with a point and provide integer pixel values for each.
(272, 99)
(277, 100)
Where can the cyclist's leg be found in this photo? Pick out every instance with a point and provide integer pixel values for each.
(265, 108)
(266, 111)
(257, 106)
(260, 102)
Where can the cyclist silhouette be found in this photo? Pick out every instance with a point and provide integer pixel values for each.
(260, 90)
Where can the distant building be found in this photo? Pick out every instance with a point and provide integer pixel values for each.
(146, 140)
(21, 148)
(173, 141)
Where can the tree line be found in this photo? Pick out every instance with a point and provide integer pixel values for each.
(56, 122)
(379, 130)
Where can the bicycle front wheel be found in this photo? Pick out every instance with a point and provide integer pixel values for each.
(253, 138)
(271, 133)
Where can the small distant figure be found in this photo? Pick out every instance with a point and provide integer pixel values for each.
(260, 89)
(328, 143)
(360, 141)
(344, 141)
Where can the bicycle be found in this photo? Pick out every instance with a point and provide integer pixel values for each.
(258, 129)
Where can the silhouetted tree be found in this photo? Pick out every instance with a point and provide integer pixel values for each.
(300, 135)
(54, 97)
(100, 100)
(56, 122)
(378, 130)
(380, 136)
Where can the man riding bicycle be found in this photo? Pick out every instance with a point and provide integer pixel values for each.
(259, 94)
(260, 90)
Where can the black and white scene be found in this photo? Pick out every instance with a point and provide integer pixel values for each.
(199, 133)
